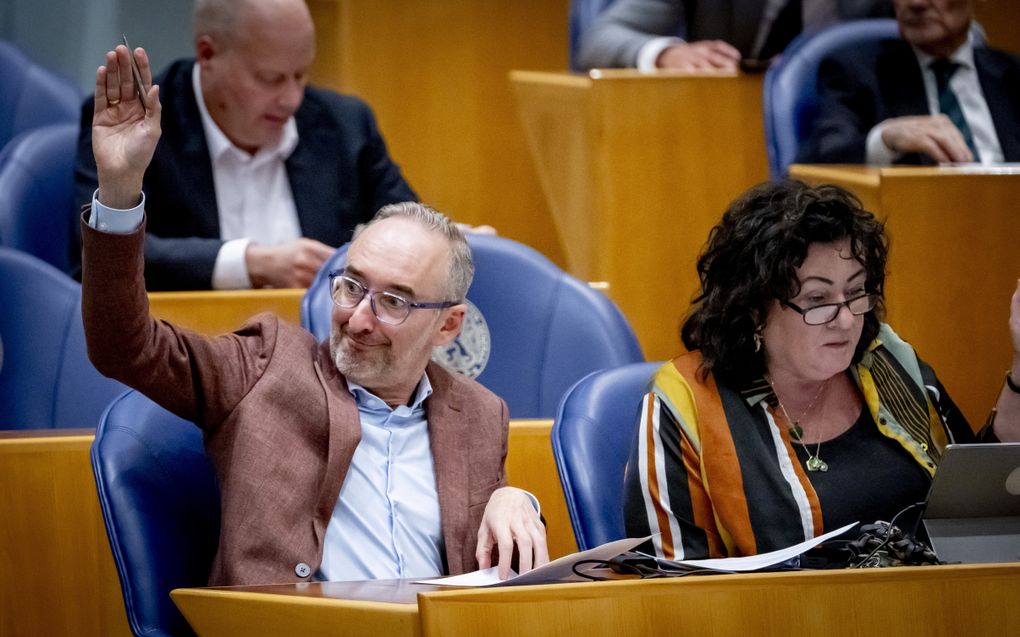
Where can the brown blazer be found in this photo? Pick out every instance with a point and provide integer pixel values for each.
(280, 426)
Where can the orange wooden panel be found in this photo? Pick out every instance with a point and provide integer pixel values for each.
(57, 575)
(435, 74)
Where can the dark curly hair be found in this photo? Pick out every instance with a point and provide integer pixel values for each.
(751, 259)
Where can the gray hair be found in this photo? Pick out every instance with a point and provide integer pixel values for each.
(218, 18)
(462, 265)
(226, 20)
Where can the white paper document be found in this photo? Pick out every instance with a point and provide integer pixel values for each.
(762, 560)
(559, 570)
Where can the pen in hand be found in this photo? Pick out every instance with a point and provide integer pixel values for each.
(135, 74)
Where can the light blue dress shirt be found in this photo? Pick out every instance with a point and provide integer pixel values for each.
(386, 521)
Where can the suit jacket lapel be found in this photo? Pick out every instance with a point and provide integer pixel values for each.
(746, 16)
(1001, 94)
(309, 183)
(900, 81)
(450, 454)
(343, 437)
(193, 160)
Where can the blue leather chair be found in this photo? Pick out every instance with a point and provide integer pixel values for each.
(37, 211)
(547, 329)
(790, 98)
(591, 440)
(46, 379)
(161, 504)
(32, 96)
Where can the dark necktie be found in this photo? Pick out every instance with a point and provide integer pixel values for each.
(948, 104)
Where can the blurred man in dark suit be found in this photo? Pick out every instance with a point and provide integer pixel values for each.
(713, 35)
(257, 177)
(931, 97)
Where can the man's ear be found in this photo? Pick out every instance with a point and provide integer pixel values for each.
(205, 48)
(450, 325)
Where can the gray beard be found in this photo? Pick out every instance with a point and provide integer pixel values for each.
(360, 370)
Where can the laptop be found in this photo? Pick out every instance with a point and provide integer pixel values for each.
(973, 507)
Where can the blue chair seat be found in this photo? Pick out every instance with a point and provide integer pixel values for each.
(161, 504)
(46, 378)
(591, 440)
(37, 211)
(32, 96)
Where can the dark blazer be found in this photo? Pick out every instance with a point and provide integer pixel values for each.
(280, 425)
(860, 87)
(620, 31)
(340, 174)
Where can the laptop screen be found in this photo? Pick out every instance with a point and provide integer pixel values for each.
(973, 506)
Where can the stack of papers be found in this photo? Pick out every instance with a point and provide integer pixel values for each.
(562, 569)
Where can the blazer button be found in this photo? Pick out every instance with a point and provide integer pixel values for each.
(302, 570)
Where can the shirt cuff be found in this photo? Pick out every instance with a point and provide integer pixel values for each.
(115, 220)
(649, 52)
(230, 272)
(876, 153)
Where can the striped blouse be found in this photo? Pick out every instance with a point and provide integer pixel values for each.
(715, 475)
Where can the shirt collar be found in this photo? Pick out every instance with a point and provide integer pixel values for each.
(219, 143)
(367, 401)
(963, 56)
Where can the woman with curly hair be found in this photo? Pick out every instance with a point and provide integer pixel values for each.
(796, 410)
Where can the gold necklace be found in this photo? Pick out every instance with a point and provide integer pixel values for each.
(814, 463)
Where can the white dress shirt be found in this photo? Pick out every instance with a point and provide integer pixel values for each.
(253, 195)
(967, 86)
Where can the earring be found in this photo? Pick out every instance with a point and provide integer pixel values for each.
(757, 338)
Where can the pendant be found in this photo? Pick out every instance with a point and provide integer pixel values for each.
(796, 431)
(814, 463)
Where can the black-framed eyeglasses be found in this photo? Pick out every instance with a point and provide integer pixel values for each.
(388, 307)
(827, 312)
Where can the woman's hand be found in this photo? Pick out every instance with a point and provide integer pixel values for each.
(1014, 330)
(124, 130)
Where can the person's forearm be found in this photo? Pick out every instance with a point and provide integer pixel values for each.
(1007, 408)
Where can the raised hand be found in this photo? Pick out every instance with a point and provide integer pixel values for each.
(124, 131)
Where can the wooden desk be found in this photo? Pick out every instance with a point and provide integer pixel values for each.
(953, 265)
(943, 600)
(435, 75)
(637, 169)
(218, 312)
(57, 575)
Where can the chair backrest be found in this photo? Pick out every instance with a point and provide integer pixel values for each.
(46, 378)
(591, 440)
(582, 14)
(37, 212)
(790, 98)
(32, 96)
(539, 328)
(161, 504)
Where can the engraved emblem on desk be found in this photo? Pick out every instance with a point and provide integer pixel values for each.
(302, 570)
(467, 354)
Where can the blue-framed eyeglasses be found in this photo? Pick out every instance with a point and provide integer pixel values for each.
(827, 312)
(388, 307)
